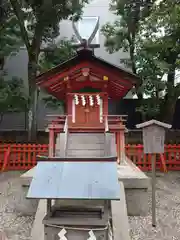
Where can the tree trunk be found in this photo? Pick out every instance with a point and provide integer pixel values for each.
(168, 107)
(32, 105)
(169, 110)
(132, 47)
(1, 117)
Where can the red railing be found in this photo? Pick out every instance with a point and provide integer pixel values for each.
(23, 156)
(170, 159)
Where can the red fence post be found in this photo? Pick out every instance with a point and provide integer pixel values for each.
(6, 158)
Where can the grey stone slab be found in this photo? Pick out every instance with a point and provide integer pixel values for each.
(132, 176)
(120, 217)
(38, 227)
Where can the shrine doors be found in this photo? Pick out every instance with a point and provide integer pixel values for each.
(87, 110)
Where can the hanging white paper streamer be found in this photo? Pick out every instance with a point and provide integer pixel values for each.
(98, 99)
(92, 236)
(76, 99)
(101, 110)
(83, 100)
(91, 102)
(61, 234)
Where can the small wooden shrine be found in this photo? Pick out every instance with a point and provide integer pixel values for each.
(85, 83)
(80, 174)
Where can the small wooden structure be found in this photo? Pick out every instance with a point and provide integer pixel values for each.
(153, 135)
(85, 83)
(82, 177)
(153, 141)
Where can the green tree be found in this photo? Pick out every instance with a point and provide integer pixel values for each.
(12, 97)
(43, 19)
(121, 35)
(10, 37)
(57, 54)
(159, 45)
(154, 51)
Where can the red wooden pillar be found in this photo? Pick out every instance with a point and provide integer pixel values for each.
(121, 144)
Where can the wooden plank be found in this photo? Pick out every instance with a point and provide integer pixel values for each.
(85, 153)
(72, 159)
(74, 180)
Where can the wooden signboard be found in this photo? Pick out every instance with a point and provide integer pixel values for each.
(153, 141)
(153, 136)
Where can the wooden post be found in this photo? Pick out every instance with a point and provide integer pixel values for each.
(153, 141)
(49, 206)
(122, 145)
(153, 159)
(118, 146)
(51, 142)
(122, 142)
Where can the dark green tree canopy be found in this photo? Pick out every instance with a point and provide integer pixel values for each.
(150, 32)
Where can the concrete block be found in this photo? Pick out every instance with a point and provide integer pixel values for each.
(136, 185)
(37, 232)
(120, 217)
(137, 201)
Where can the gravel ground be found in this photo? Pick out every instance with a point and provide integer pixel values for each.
(168, 211)
(17, 213)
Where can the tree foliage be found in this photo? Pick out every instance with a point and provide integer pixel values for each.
(57, 54)
(123, 32)
(12, 97)
(10, 37)
(150, 32)
(39, 25)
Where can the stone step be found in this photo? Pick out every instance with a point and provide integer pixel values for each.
(86, 146)
(86, 138)
(85, 153)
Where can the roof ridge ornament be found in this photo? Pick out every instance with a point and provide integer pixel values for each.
(86, 43)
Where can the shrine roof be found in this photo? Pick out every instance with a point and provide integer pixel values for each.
(153, 122)
(56, 81)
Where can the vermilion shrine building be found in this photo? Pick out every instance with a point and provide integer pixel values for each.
(85, 83)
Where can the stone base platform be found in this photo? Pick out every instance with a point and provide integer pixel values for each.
(119, 212)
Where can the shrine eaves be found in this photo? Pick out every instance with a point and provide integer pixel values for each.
(85, 70)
